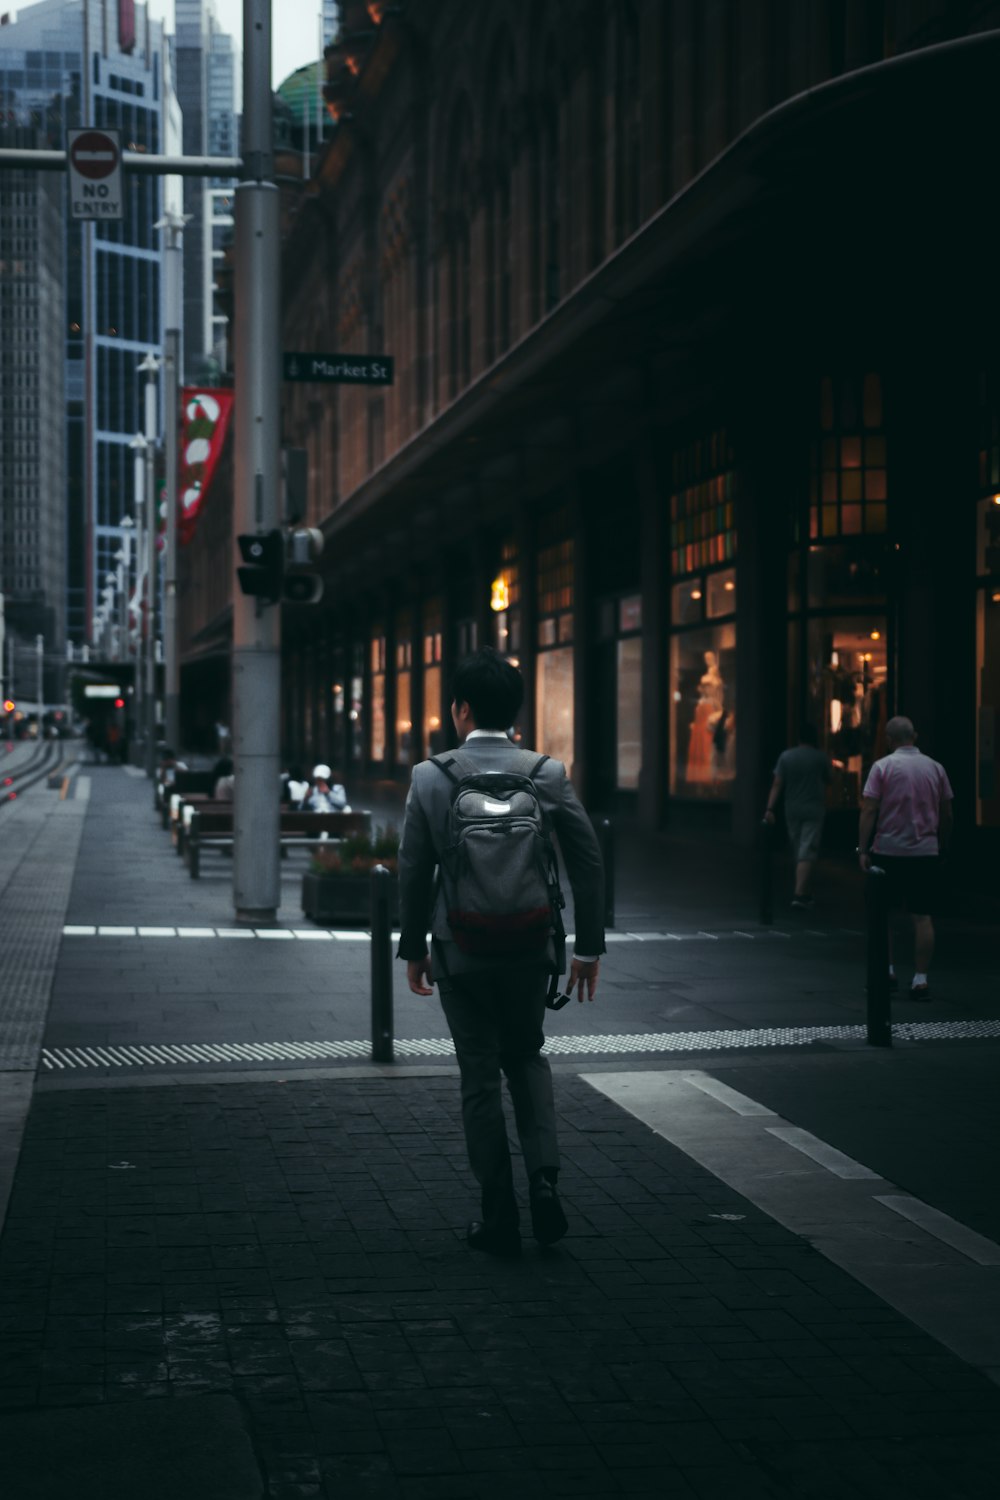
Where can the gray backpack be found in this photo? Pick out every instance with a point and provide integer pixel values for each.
(498, 870)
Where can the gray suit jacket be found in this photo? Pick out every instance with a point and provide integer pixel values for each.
(425, 831)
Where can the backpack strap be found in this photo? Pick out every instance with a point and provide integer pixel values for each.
(539, 763)
(445, 766)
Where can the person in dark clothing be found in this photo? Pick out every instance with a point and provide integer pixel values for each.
(495, 1008)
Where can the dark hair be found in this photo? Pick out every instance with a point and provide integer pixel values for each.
(223, 767)
(491, 686)
(808, 735)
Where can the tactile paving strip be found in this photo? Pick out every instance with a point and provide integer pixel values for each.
(645, 1043)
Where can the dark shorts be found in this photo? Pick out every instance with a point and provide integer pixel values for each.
(914, 881)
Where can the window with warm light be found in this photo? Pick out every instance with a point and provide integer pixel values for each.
(554, 697)
(377, 743)
(403, 740)
(702, 703)
(838, 584)
(434, 728)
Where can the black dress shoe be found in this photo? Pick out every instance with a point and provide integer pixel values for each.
(547, 1218)
(505, 1243)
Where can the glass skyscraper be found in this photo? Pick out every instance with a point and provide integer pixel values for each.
(77, 62)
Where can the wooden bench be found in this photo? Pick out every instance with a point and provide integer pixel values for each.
(184, 781)
(211, 826)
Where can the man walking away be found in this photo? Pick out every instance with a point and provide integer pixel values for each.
(482, 815)
(802, 773)
(906, 805)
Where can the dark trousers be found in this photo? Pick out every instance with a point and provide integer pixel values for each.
(495, 1021)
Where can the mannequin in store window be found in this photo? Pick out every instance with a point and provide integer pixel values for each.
(708, 714)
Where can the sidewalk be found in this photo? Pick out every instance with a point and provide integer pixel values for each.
(243, 1281)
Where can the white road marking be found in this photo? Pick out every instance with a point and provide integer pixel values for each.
(157, 932)
(79, 931)
(196, 932)
(234, 932)
(976, 1246)
(116, 932)
(936, 1272)
(273, 932)
(828, 1156)
(316, 935)
(733, 1100)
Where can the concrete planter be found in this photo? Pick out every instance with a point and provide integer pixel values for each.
(344, 900)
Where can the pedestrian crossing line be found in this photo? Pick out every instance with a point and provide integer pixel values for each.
(662, 1043)
(362, 935)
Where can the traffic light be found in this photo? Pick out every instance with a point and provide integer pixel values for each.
(303, 584)
(9, 705)
(263, 555)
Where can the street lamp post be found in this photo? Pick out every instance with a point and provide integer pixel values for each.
(150, 369)
(256, 629)
(172, 225)
(138, 446)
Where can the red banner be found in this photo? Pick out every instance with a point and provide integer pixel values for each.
(205, 419)
(126, 25)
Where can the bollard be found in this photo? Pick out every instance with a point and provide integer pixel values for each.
(765, 873)
(381, 966)
(879, 1009)
(606, 838)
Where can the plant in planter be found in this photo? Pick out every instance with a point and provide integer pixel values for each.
(337, 886)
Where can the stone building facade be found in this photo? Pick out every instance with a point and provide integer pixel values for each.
(695, 409)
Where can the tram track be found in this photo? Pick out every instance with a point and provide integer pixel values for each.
(47, 757)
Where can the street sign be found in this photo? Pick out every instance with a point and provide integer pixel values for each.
(94, 159)
(339, 369)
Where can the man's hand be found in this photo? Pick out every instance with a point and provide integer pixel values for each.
(418, 975)
(580, 975)
(865, 861)
(769, 817)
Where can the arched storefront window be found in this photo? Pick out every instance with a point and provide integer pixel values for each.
(840, 631)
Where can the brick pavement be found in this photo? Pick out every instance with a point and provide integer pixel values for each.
(297, 1246)
(269, 1279)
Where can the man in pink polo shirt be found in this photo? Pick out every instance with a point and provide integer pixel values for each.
(906, 819)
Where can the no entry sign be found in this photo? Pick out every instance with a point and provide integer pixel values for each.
(95, 174)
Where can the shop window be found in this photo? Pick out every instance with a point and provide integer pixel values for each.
(703, 711)
(720, 593)
(505, 601)
(433, 723)
(702, 656)
(356, 712)
(848, 479)
(377, 745)
(554, 669)
(403, 739)
(703, 505)
(846, 697)
(554, 705)
(629, 713)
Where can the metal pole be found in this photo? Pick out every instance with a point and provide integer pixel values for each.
(150, 367)
(382, 1023)
(256, 686)
(138, 446)
(879, 1007)
(172, 225)
(39, 670)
